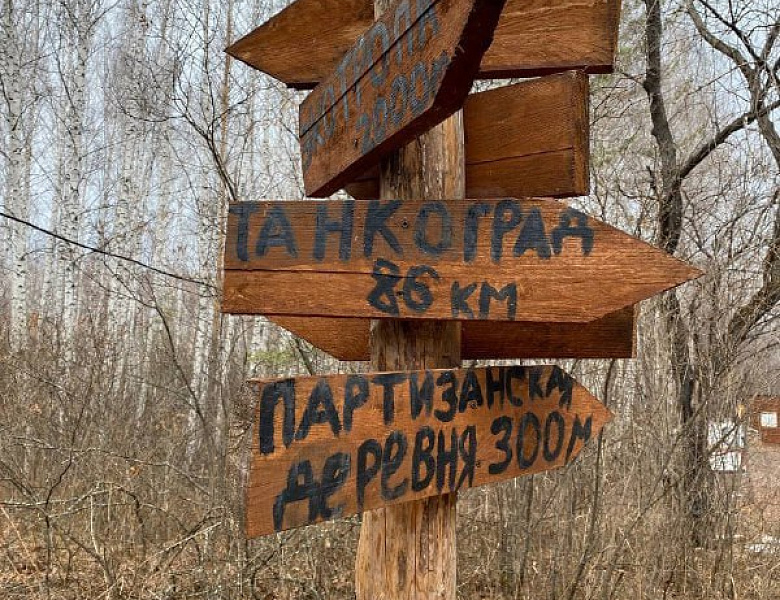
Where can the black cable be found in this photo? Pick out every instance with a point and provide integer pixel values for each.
(105, 252)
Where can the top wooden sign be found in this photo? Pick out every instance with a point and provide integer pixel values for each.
(303, 44)
(411, 70)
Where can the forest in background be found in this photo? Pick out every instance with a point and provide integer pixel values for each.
(124, 415)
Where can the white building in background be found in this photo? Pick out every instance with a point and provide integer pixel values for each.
(726, 441)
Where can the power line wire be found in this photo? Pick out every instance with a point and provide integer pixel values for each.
(105, 252)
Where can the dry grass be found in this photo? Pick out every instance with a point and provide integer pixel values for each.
(101, 500)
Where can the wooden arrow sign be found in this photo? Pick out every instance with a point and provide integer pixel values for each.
(491, 260)
(327, 447)
(411, 70)
(611, 336)
(527, 139)
(304, 43)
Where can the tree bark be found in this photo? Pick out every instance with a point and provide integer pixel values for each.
(670, 224)
(408, 550)
(19, 116)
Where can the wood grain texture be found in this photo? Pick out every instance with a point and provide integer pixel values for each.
(409, 551)
(611, 336)
(530, 139)
(411, 70)
(303, 44)
(331, 446)
(527, 139)
(494, 260)
(535, 37)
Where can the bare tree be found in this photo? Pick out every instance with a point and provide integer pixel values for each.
(668, 183)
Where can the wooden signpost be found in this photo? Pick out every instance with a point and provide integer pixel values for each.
(527, 139)
(326, 447)
(411, 70)
(491, 260)
(416, 283)
(304, 43)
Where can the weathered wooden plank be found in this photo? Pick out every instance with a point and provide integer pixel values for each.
(527, 139)
(411, 70)
(304, 43)
(611, 336)
(495, 260)
(420, 535)
(326, 447)
(536, 37)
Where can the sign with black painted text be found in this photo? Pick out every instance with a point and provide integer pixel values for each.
(491, 260)
(327, 447)
(411, 70)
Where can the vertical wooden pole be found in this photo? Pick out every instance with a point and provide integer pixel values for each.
(408, 551)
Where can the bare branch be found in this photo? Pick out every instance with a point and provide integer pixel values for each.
(718, 44)
(765, 299)
(721, 136)
(771, 38)
(734, 29)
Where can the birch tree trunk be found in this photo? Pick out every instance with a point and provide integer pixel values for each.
(16, 203)
(77, 19)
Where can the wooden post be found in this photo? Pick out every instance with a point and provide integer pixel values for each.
(409, 550)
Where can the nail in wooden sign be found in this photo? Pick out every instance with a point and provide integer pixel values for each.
(610, 336)
(411, 70)
(527, 139)
(304, 43)
(328, 447)
(491, 260)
